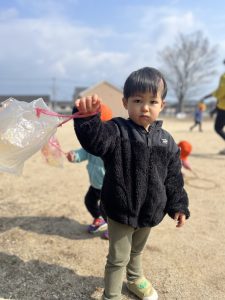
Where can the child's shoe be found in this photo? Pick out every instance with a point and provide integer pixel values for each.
(143, 289)
(105, 235)
(98, 224)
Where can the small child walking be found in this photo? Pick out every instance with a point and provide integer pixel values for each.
(143, 180)
(198, 116)
(96, 172)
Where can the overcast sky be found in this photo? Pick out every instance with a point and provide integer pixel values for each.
(82, 42)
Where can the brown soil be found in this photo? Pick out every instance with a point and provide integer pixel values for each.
(46, 253)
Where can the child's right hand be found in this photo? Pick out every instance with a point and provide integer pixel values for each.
(70, 156)
(180, 218)
(88, 104)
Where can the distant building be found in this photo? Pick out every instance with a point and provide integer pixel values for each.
(110, 95)
(78, 91)
(63, 107)
(170, 108)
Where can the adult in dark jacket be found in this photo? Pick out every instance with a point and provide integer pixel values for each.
(143, 180)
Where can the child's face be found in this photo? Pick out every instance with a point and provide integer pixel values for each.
(144, 108)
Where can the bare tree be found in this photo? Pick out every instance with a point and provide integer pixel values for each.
(188, 65)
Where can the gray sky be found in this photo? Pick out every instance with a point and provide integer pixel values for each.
(82, 42)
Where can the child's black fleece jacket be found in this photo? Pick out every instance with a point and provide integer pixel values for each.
(143, 179)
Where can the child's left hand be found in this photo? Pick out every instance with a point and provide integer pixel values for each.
(180, 218)
(70, 156)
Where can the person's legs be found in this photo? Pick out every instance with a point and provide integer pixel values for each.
(92, 204)
(137, 283)
(139, 240)
(200, 126)
(193, 126)
(120, 238)
(102, 211)
(91, 201)
(220, 123)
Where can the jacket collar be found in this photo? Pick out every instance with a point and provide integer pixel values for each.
(156, 125)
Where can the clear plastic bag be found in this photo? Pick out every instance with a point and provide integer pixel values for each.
(53, 153)
(22, 132)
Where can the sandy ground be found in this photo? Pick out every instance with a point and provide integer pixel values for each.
(46, 253)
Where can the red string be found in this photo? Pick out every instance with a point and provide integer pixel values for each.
(76, 115)
(40, 111)
(57, 147)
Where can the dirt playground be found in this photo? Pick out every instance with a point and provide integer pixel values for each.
(46, 252)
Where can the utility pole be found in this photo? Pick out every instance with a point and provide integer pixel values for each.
(53, 92)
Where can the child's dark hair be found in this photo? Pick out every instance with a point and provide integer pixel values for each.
(144, 80)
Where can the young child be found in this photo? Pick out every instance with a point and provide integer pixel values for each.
(143, 180)
(198, 116)
(96, 172)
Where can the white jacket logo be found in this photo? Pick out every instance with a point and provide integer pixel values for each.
(164, 141)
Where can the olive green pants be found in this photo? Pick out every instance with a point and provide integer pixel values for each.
(126, 245)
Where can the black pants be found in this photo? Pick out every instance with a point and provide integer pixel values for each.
(220, 122)
(197, 123)
(92, 202)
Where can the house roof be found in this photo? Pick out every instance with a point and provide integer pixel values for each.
(85, 91)
(111, 96)
(26, 98)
